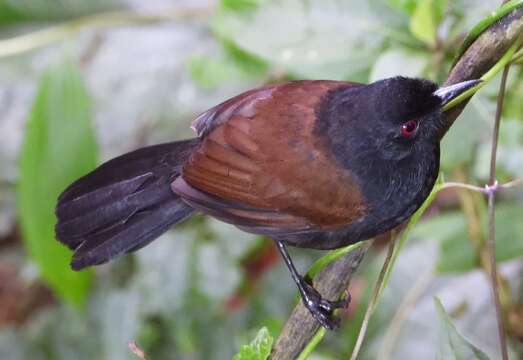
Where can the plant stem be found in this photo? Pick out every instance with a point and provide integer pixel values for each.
(405, 234)
(495, 134)
(409, 302)
(386, 270)
(330, 257)
(136, 350)
(491, 241)
(312, 344)
(374, 300)
(517, 57)
(511, 184)
(461, 185)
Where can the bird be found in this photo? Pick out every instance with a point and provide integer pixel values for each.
(315, 164)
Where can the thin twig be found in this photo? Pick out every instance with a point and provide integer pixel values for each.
(136, 350)
(373, 301)
(410, 300)
(485, 190)
(459, 185)
(473, 206)
(312, 344)
(517, 57)
(512, 184)
(491, 241)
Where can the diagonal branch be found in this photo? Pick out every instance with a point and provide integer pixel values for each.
(483, 54)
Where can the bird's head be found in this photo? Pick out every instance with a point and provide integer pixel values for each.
(410, 110)
(391, 119)
(400, 116)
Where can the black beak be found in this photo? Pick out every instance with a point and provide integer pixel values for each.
(448, 93)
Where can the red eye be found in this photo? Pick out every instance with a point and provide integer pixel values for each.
(409, 128)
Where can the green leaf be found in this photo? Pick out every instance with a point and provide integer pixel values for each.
(8, 14)
(248, 63)
(425, 19)
(239, 5)
(407, 6)
(452, 345)
(59, 147)
(258, 349)
(210, 72)
(422, 22)
(232, 64)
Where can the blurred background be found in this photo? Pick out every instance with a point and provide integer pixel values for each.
(84, 81)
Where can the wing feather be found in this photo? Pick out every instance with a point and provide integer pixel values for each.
(261, 166)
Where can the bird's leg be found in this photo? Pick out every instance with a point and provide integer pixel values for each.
(320, 308)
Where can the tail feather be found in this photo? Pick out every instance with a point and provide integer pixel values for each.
(128, 166)
(123, 205)
(129, 235)
(67, 209)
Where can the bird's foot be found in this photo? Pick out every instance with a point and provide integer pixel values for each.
(320, 308)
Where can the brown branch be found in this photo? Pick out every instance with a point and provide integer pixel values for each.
(136, 350)
(481, 55)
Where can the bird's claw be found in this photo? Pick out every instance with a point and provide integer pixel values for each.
(320, 308)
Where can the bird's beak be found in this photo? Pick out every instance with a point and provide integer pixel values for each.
(447, 93)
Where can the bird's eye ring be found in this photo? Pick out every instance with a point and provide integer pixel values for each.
(409, 128)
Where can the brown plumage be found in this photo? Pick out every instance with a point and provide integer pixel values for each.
(283, 182)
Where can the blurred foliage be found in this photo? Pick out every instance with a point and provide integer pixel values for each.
(457, 252)
(59, 146)
(425, 19)
(453, 345)
(205, 289)
(13, 11)
(233, 63)
(352, 27)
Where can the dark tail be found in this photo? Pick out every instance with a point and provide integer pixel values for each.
(123, 205)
